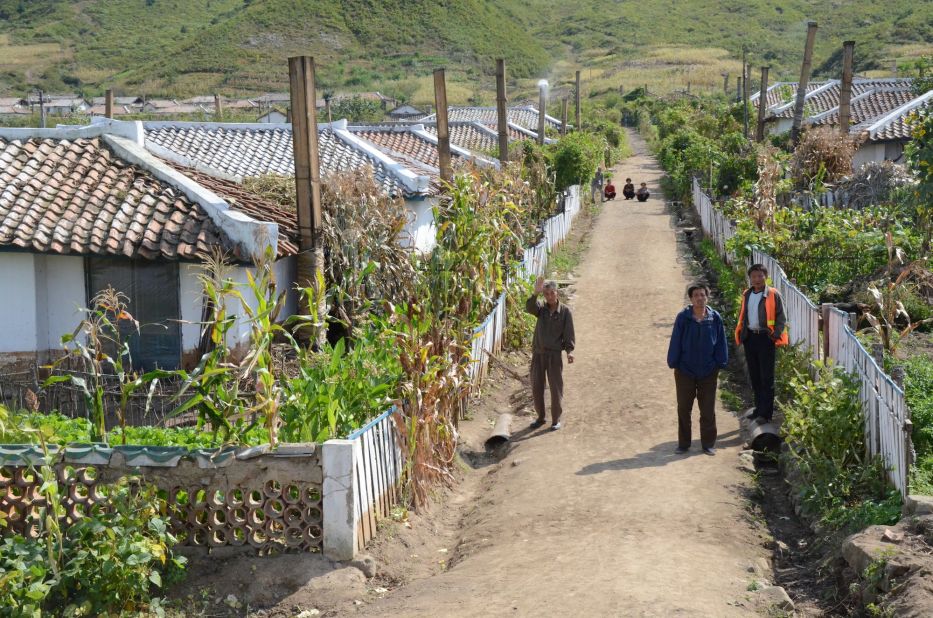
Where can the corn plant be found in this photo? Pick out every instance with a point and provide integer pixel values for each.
(99, 343)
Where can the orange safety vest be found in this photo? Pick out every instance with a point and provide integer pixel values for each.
(770, 313)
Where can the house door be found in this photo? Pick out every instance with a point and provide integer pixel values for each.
(152, 292)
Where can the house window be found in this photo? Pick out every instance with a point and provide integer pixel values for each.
(152, 292)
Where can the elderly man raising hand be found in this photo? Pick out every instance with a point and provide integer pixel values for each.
(553, 336)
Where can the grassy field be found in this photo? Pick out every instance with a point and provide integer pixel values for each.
(185, 47)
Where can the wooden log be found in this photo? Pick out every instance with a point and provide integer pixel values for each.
(443, 132)
(502, 112)
(803, 82)
(845, 88)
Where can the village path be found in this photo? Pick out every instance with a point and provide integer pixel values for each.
(601, 518)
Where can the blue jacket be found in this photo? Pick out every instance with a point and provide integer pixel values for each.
(698, 348)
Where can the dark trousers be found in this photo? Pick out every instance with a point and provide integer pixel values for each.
(759, 355)
(703, 390)
(547, 367)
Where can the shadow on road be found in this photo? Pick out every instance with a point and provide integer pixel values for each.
(658, 455)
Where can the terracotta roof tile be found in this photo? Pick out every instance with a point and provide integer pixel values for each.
(64, 196)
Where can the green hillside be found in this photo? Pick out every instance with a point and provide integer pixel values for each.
(185, 47)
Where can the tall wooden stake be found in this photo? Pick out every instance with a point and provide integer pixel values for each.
(563, 116)
(218, 107)
(576, 97)
(108, 104)
(845, 89)
(738, 89)
(501, 111)
(308, 187)
(542, 110)
(803, 82)
(725, 84)
(762, 106)
(443, 133)
(745, 91)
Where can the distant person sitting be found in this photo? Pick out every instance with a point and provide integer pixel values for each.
(610, 191)
(643, 194)
(629, 189)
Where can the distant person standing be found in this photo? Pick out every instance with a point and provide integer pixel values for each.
(628, 190)
(761, 329)
(642, 193)
(553, 336)
(596, 187)
(696, 353)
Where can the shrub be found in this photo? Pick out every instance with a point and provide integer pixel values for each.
(822, 156)
(575, 158)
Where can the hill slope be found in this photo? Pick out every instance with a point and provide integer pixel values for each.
(182, 47)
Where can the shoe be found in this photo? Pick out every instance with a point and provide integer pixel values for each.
(538, 423)
(709, 450)
(760, 420)
(681, 450)
(751, 415)
(555, 426)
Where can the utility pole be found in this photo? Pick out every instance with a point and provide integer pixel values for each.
(845, 89)
(576, 96)
(803, 82)
(502, 117)
(308, 189)
(108, 103)
(443, 132)
(762, 106)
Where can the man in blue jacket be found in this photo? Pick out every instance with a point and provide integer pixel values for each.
(696, 353)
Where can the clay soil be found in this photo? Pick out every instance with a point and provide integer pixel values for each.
(600, 518)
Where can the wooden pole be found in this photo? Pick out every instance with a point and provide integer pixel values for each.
(218, 107)
(542, 110)
(745, 72)
(738, 89)
(762, 105)
(108, 104)
(725, 84)
(563, 116)
(502, 116)
(576, 97)
(308, 188)
(845, 89)
(443, 133)
(802, 83)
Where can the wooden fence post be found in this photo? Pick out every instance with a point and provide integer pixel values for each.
(308, 187)
(502, 112)
(443, 132)
(576, 97)
(542, 111)
(563, 116)
(108, 104)
(825, 310)
(802, 83)
(845, 89)
(762, 106)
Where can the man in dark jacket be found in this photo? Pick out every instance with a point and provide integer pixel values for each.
(696, 353)
(761, 329)
(553, 336)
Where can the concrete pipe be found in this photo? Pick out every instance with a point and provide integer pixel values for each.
(501, 433)
(765, 437)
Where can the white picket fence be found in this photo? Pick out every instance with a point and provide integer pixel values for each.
(886, 416)
(363, 472)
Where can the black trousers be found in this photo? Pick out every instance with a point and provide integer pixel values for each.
(760, 355)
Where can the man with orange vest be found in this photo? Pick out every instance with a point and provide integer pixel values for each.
(761, 329)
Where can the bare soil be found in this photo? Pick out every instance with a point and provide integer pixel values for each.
(598, 519)
(601, 518)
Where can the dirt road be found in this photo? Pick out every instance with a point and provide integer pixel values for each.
(602, 518)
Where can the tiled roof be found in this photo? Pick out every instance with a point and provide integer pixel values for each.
(525, 116)
(402, 140)
(868, 106)
(75, 196)
(822, 97)
(476, 136)
(896, 125)
(255, 151)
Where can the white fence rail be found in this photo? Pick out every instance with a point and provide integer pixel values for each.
(885, 412)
